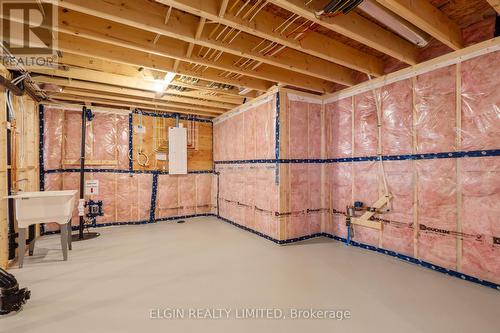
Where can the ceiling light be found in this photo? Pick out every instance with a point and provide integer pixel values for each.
(169, 78)
(159, 86)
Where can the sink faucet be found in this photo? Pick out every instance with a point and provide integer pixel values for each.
(14, 190)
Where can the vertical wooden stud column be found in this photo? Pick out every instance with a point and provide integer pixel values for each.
(459, 162)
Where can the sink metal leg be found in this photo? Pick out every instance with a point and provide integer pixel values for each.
(21, 240)
(70, 243)
(64, 241)
(32, 247)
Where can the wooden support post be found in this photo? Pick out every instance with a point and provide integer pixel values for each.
(459, 162)
(324, 200)
(4, 227)
(353, 103)
(284, 184)
(414, 167)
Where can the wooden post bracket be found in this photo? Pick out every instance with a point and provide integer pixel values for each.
(365, 221)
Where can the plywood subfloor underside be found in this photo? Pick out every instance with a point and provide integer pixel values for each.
(111, 283)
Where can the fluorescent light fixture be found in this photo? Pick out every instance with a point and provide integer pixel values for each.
(397, 24)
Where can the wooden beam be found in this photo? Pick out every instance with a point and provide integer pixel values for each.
(495, 4)
(196, 95)
(197, 35)
(98, 87)
(134, 99)
(470, 52)
(4, 223)
(264, 26)
(113, 102)
(122, 81)
(359, 29)
(144, 74)
(84, 46)
(126, 37)
(145, 15)
(223, 7)
(424, 15)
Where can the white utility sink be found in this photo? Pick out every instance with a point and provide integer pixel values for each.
(44, 207)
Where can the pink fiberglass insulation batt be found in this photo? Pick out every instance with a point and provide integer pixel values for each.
(304, 130)
(481, 103)
(304, 188)
(107, 139)
(249, 196)
(303, 134)
(248, 193)
(247, 135)
(480, 194)
(437, 197)
(126, 197)
(338, 128)
(183, 195)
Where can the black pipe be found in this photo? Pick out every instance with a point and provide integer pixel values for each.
(12, 87)
(82, 168)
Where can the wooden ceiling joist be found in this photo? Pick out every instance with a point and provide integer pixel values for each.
(424, 15)
(223, 8)
(109, 102)
(84, 46)
(75, 61)
(99, 87)
(183, 26)
(357, 28)
(95, 74)
(197, 35)
(495, 4)
(139, 41)
(135, 99)
(121, 35)
(264, 26)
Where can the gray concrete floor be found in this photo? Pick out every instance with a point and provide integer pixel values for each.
(111, 284)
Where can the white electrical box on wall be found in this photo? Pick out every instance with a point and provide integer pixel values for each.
(177, 150)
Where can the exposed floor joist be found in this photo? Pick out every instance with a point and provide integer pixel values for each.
(89, 27)
(83, 46)
(190, 108)
(99, 87)
(495, 4)
(359, 29)
(424, 15)
(264, 26)
(224, 51)
(75, 61)
(91, 75)
(145, 15)
(111, 102)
